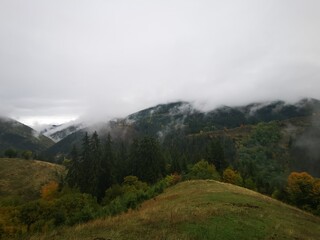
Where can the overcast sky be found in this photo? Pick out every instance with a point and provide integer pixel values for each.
(62, 59)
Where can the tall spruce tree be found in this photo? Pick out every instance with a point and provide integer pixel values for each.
(134, 157)
(96, 170)
(147, 160)
(85, 165)
(106, 178)
(215, 155)
(74, 168)
(122, 163)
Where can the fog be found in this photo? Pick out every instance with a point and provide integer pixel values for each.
(60, 60)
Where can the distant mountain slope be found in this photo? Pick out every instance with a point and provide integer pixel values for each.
(183, 118)
(24, 178)
(58, 132)
(201, 210)
(14, 134)
(182, 115)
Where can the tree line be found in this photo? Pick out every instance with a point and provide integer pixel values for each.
(96, 166)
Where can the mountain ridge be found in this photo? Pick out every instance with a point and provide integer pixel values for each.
(182, 116)
(16, 135)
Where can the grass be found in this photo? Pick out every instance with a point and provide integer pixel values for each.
(201, 210)
(24, 178)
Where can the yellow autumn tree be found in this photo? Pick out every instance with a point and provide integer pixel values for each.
(231, 176)
(49, 190)
(300, 188)
(316, 192)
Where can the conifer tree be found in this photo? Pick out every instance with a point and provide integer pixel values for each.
(147, 161)
(134, 157)
(85, 166)
(122, 163)
(96, 171)
(175, 165)
(215, 155)
(74, 168)
(107, 164)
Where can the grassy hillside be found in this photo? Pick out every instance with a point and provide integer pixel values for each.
(202, 210)
(24, 178)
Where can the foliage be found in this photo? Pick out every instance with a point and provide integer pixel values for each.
(216, 155)
(261, 158)
(201, 209)
(173, 179)
(27, 154)
(90, 171)
(231, 176)
(300, 187)
(69, 209)
(146, 160)
(10, 153)
(49, 191)
(203, 170)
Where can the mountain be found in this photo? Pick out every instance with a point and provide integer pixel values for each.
(182, 115)
(58, 132)
(165, 121)
(202, 209)
(18, 136)
(119, 130)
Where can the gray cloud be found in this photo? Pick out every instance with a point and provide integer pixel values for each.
(110, 58)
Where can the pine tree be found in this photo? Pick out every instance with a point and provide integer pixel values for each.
(147, 161)
(106, 178)
(215, 155)
(85, 165)
(74, 169)
(95, 170)
(175, 165)
(122, 163)
(134, 158)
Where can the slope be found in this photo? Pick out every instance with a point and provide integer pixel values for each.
(58, 132)
(202, 210)
(181, 118)
(14, 134)
(24, 178)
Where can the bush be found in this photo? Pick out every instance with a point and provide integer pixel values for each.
(10, 153)
(49, 190)
(112, 193)
(231, 176)
(26, 154)
(300, 188)
(203, 170)
(250, 184)
(173, 179)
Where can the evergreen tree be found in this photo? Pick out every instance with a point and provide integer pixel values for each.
(107, 178)
(85, 165)
(147, 160)
(122, 163)
(96, 171)
(175, 165)
(134, 157)
(74, 168)
(215, 155)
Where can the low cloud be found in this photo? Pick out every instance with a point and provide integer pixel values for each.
(106, 59)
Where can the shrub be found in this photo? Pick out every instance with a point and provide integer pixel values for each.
(49, 190)
(250, 184)
(203, 170)
(231, 176)
(173, 179)
(299, 188)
